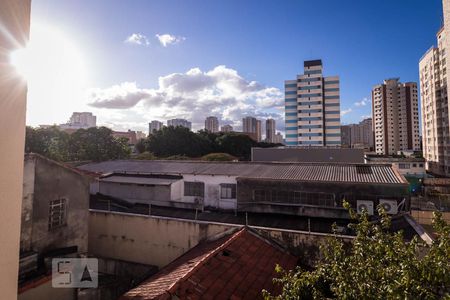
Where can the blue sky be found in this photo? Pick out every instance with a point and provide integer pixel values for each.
(363, 42)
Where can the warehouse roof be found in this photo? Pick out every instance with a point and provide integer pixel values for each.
(327, 172)
(139, 180)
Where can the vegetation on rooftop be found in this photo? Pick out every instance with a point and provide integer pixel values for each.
(377, 264)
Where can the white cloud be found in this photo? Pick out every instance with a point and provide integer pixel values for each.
(137, 39)
(193, 95)
(168, 39)
(366, 117)
(363, 102)
(346, 111)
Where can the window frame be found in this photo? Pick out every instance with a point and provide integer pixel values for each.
(194, 189)
(57, 213)
(231, 187)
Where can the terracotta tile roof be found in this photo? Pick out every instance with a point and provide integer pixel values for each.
(237, 266)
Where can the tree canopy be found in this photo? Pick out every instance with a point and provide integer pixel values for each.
(171, 141)
(378, 264)
(95, 144)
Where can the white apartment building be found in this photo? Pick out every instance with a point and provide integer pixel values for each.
(435, 104)
(179, 122)
(80, 120)
(312, 108)
(154, 126)
(395, 116)
(212, 124)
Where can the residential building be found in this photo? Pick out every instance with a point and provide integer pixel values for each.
(154, 126)
(346, 136)
(235, 265)
(270, 130)
(395, 115)
(252, 127)
(130, 135)
(308, 155)
(15, 28)
(140, 135)
(407, 166)
(55, 207)
(80, 120)
(212, 124)
(358, 135)
(435, 106)
(179, 122)
(300, 189)
(312, 112)
(226, 128)
(278, 138)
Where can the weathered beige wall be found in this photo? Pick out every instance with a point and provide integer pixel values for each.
(147, 240)
(15, 25)
(158, 241)
(45, 291)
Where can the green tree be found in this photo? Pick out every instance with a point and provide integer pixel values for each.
(97, 144)
(238, 145)
(170, 141)
(218, 157)
(378, 264)
(50, 142)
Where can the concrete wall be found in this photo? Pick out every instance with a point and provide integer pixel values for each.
(53, 181)
(15, 26)
(135, 193)
(212, 190)
(27, 204)
(146, 240)
(158, 241)
(44, 291)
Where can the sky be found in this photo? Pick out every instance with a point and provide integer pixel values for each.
(130, 62)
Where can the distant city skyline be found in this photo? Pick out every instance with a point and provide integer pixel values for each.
(154, 66)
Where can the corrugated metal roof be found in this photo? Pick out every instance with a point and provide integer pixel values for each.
(327, 172)
(139, 180)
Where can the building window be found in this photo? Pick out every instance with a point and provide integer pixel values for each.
(228, 191)
(57, 213)
(196, 189)
(403, 166)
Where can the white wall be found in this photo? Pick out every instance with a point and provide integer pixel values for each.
(212, 190)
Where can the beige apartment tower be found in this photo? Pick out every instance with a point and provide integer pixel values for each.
(252, 127)
(395, 117)
(212, 124)
(270, 130)
(433, 67)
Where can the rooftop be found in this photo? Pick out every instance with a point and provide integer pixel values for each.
(234, 266)
(325, 172)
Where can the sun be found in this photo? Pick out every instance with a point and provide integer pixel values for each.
(50, 60)
(55, 70)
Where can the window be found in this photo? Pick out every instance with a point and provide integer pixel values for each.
(403, 166)
(57, 213)
(227, 191)
(196, 189)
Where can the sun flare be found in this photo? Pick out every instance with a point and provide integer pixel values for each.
(50, 59)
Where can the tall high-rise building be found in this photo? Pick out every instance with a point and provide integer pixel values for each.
(312, 108)
(154, 125)
(80, 120)
(435, 104)
(395, 115)
(358, 135)
(226, 128)
(252, 127)
(179, 122)
(270, 130)
(212, 124)
(346, 136)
